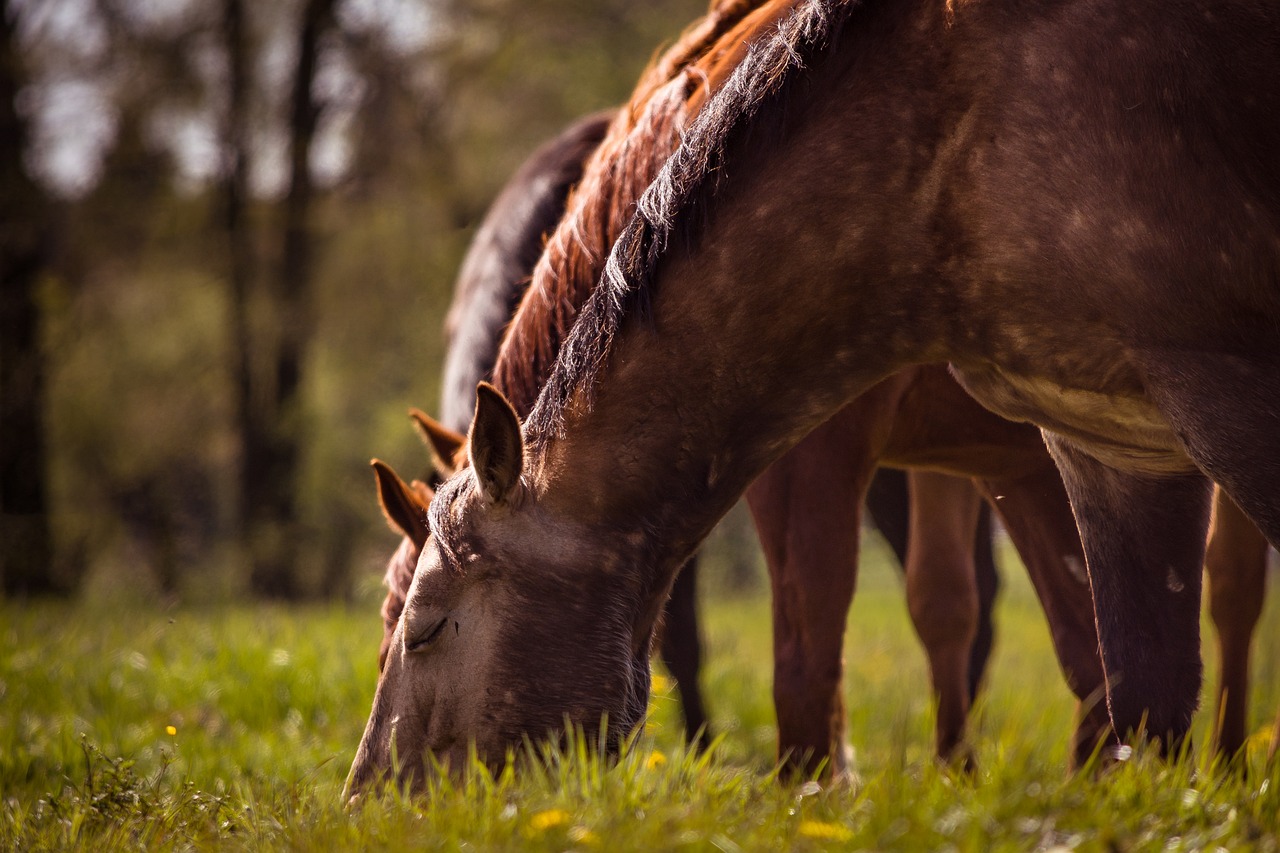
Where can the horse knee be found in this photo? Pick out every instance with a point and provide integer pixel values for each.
(945, 615)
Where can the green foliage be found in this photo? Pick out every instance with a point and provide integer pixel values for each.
(143, 442)
(233, 728)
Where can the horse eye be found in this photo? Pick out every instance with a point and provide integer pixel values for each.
(429, 637)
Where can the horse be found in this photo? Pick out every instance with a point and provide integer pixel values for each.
(871, 191)
(489, 279)
(802, 708)
(490, 283)
(489, 286)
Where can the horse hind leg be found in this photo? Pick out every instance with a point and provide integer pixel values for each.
(1235, 565)
(942, 596)
(1143, 539)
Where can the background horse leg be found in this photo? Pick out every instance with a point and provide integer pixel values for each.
(1143, 538)
(807, 508)
(988, 586)
(942, 595)
(682, 651)
(888, 504)
(1038, 516)
(1235, 562)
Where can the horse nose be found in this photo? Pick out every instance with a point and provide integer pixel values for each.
(355, 784)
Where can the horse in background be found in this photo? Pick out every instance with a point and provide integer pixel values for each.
(586, 504)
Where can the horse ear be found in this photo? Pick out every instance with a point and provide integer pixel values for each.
(495, 446)
(443, 442)
(403, 506)
(424, 491)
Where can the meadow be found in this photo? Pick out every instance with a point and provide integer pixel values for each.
(124, 726)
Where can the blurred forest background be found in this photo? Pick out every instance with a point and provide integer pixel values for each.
(228, 236)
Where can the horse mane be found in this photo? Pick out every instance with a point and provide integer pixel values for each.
(643, 134)
(686, 179)
(506, 247)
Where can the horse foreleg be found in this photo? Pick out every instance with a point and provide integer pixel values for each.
(942, 595)
(807, 508)
(1143, 539)
(1226, 411)
(682, 651)
(888, 504)
(1038, 516)
(1235, 562)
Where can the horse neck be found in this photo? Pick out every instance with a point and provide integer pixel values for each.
(762, 327)
(684, 421)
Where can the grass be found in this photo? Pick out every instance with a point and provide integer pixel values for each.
(233, 727)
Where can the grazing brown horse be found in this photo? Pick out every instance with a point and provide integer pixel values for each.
(490, 284)
(945, 608)
(810, 630)
(1074, 205)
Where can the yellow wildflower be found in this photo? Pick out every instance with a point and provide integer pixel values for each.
(825, 831)
(170, 730)
(655, 759)
(549, 819)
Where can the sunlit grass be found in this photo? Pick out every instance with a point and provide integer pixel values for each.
(234, 727)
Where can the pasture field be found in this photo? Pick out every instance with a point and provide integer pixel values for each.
(233, 727)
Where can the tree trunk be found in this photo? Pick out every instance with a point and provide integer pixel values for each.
(275, 570)
(249, 419)
(26, 547)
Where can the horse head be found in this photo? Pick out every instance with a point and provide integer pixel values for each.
(504, 636)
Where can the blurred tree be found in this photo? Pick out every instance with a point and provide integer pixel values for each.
(203, 341)
(271, 490)
(255, 449)
(27, 550)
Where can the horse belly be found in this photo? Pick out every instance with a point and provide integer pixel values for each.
(1124, 431)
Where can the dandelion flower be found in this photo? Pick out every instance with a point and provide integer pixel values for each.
(170, 730)
(655, 759)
